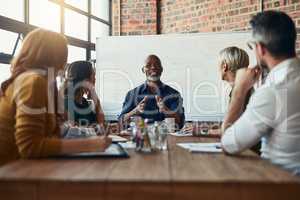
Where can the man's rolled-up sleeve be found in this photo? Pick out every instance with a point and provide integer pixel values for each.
(176, 105)
(257, 120)
(128, 105)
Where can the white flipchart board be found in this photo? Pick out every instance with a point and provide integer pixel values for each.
(190, 63)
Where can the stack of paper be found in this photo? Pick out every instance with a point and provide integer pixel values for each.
(181, 134)
(116, 138)
(202, 147)
(128, 145)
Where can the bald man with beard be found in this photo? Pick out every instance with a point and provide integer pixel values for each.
(153, 99)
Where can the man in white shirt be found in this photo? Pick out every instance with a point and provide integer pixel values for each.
(273, 113)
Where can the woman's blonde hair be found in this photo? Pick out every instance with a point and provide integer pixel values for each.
(41, 49)
(235, 58)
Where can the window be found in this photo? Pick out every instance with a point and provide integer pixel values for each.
(4, 72)
(80, 4)
(50, 19)
(13, 9)
(100, 9)
(8, 40)
(98, 29)
(93, 55)
(70, 17)
(76, 25)
(76, 53)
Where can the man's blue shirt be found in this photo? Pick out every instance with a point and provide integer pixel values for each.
(171, 98)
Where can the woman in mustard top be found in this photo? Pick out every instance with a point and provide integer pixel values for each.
(28, 108)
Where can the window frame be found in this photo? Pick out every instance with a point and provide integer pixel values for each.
(23, 28)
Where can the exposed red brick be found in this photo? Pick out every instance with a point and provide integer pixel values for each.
(139, 17)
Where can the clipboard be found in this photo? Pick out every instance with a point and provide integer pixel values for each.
(115, 150)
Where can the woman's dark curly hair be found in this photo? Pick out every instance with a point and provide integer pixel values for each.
(77, 72)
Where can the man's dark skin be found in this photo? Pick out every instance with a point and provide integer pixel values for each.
(153, 71)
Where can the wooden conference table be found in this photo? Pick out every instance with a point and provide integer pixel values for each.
(173, 174)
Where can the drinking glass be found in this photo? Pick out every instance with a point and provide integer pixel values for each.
(163, 133)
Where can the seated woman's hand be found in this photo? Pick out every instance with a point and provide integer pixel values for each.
(215, 132)
(113, 128)
(104, 142)
(188, 128)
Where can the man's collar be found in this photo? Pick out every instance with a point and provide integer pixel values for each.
(161, 85)
(279, 72)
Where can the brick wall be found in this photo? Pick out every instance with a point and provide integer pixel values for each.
(139, 17)
(292, 8)
(115, 17)
(206, 15)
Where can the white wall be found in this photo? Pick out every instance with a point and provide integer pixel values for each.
(190, 65)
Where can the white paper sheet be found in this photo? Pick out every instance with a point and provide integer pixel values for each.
(181, 134)
(128, 145)
(201, 147)
(116, 138)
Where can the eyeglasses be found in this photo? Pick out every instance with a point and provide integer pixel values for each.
(149, 66)
(251, 44)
